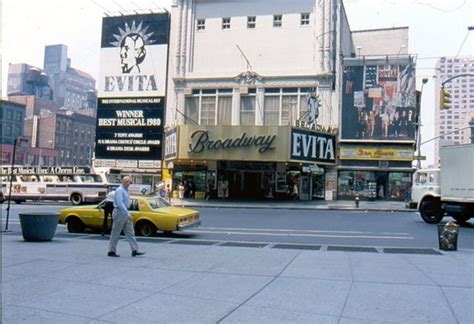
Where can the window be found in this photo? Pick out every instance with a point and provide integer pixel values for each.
(191, 111)
(201, 24)
(289, 105)
(305, 19)
(224, 110)
(225, 23)
(277, 20)
(251, 22)
(271, 114)
(208, 111)
(247, 110)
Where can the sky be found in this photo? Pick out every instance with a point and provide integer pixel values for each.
(436, 28)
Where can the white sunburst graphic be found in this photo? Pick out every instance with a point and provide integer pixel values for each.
(132, 41)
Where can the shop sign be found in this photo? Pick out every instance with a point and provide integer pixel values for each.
(312, 146)
(312, 169)
(171, 144)
(46, 170)
(373, 153)
(202, 140)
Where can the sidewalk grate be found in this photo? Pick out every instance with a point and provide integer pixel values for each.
(244, 244)
(352, 249)
(411, 251)
(297, 247)
(187, 242)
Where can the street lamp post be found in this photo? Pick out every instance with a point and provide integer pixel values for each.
(418, 124)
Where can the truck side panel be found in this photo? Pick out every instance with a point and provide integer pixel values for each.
(457, 173)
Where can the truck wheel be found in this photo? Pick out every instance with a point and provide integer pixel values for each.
(431, 212)
(461, 219)
(76, 199)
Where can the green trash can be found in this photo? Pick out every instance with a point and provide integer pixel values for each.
(38, 227)
(448, 236)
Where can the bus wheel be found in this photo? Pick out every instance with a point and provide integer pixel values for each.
(17, 202)
(75, 225)
(76, 199)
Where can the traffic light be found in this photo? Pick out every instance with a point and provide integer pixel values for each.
(444, 99)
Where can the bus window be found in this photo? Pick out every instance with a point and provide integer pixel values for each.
(29, 178)
(91, 178)
(48, 179)
(63, 178)
(113, 177)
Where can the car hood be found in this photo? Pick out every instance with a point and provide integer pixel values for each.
(178, 211)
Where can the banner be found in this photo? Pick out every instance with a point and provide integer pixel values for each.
(134, 56)
(379, 102)
(129, 128)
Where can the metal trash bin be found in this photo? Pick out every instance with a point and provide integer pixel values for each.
(37, 226)
(448, 236)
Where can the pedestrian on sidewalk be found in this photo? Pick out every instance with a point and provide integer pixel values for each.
(108, 209)
(168, 193)
(122, 220)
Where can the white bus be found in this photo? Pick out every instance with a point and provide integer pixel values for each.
(75, 184)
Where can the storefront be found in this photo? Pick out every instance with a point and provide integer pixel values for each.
(251, 162)
(375, 172)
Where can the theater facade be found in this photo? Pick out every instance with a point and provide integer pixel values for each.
(253, 162)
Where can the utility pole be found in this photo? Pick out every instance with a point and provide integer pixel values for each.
(418, 127)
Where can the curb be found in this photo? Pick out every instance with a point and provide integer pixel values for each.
(324, 208)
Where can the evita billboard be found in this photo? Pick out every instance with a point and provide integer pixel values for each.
(132, 87)
(379, 101)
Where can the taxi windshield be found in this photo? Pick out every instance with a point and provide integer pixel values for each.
(157, 202)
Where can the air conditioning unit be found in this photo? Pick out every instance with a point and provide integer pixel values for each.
(244, 90)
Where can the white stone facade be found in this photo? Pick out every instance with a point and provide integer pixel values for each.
(253, 62)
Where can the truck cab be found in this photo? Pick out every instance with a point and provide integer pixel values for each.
(426, 183)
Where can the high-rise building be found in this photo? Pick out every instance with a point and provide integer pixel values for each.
(451, 125)
(72, 88)
(12, 117)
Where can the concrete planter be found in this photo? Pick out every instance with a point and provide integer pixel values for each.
(38, 227)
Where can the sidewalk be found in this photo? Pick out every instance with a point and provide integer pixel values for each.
(289, 204)
(70, 280)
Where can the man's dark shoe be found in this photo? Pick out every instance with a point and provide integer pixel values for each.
(113, 254)
(135, 253)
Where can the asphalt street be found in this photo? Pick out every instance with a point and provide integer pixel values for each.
(351, 228)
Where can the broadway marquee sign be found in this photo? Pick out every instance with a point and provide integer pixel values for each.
(312, 146)
(255, 143)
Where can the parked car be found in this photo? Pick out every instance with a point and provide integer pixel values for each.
(149, 213)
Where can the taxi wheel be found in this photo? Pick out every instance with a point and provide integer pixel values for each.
(145, 228)
(75, 225)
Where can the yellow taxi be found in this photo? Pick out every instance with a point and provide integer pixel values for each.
(149, 214)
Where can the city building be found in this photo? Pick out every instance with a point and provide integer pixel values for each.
(12, 116)
(378, 117)
(451, 124)
(30, 86)
(67, 136)
(252, 108)
(73, 89)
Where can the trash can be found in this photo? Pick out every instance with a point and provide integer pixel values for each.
(448, 236)
(37, 227)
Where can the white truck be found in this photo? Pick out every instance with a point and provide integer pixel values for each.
(448, 191)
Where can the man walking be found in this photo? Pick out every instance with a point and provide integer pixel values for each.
(122, 220)
(108, 209)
